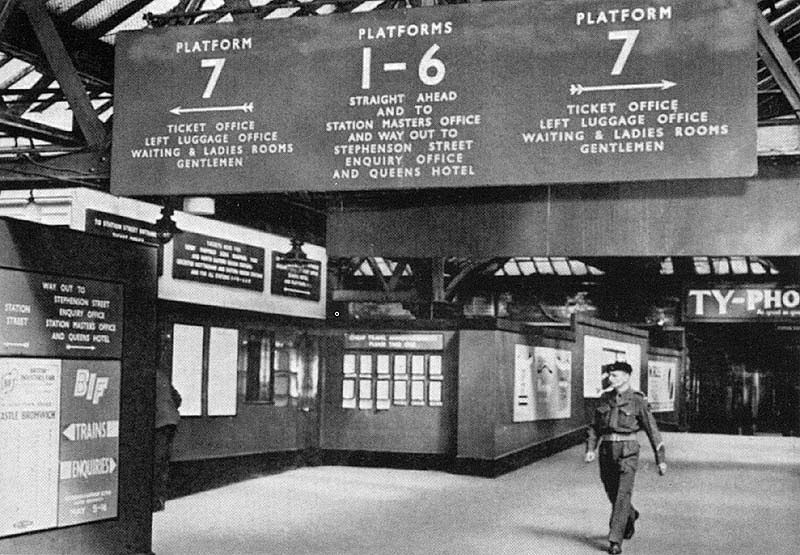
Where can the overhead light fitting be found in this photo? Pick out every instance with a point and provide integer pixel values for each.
(166, 228)
(295, 254)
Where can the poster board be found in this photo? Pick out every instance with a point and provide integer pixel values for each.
(599, 351)
(542, 383)
(223, 357)
(661, 384)
(59, 420)
(187, 367)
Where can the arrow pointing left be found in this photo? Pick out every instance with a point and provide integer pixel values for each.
(179, 110)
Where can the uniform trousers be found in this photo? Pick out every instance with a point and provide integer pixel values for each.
(162, 452)
(618, 463)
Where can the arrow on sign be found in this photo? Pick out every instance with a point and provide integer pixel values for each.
(247, 107)
(580, 89)
(89, 347)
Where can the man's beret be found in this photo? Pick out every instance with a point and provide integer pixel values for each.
(620, 366)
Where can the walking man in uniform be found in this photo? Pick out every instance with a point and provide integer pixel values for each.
(621, 414)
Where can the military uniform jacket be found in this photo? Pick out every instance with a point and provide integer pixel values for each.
(625, 413)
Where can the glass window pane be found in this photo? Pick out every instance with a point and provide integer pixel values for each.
(258, 366)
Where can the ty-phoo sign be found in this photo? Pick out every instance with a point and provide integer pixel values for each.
(748, 302)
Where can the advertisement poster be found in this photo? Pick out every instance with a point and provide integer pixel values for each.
(542, 383)
(29, 427)
(523, 388)
(661, 378)
(89, 443)
(598, 351)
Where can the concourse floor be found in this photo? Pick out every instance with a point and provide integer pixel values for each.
(721, 495)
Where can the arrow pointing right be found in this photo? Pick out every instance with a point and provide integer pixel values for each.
(577, 89)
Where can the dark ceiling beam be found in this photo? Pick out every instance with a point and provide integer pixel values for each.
(94, 59)
(78, 10)
(306, 8)
(6, 7)
(779, 62)
(80, 168)
(64, 70)
(18, 126)
(25, 101)
(119, 17)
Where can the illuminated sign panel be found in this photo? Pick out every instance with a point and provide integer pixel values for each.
(487, 94)
(742, 303)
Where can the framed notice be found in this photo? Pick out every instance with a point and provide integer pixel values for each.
(661, 379)
(29, 462)
(400, 367)
(542, 383)
(523, 384)
(418, 392)
(187, 367)
(365, 400)
(120, 227)
(295, 278)
(46, 315)
(217, 261)
(383, 365)
(435, 366)
(223, 358)
(382, 399)
(349, 363)
(400, 392)
(435, 394)
(348, 394)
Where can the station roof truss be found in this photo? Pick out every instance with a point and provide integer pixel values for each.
(56, 71)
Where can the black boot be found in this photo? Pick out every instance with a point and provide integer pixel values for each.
(630, 527)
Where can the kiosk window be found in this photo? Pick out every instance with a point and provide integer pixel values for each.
(258, 366)
(280, 366)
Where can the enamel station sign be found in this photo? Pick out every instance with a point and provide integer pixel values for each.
(496, 93)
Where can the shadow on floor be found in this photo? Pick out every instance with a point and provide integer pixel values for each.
(595, 542)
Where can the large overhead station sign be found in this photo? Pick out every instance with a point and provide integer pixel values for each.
(568, 91)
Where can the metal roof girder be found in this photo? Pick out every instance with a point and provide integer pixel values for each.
(774, 55)
(16, 125)
(64, 70)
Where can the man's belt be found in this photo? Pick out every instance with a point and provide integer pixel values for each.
(619, 437)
